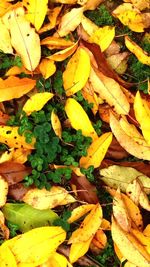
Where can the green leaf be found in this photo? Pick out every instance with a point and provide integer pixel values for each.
(27, 217)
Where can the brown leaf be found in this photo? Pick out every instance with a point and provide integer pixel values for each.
(89, 191)
(103, 66)
(17, 191)
(115, 151)
(3, 118)
(14, 172)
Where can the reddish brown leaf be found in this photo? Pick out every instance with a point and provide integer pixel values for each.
(115, 151)
(103, 65)
(89, 191)
(17, 191)
(3, 118)
(14, 172)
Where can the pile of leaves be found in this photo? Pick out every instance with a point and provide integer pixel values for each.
(74, 133)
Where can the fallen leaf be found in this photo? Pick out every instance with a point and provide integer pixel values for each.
(75, 111)
(99, 242)
(86, 190)
(127, 142)
(27, 217)
(56, 43)
(89, 26)
(14, 87)
(17, 191)
(5, 42)
(46, 199)
(142, 114)
(56, 259)
(96, 151)
(36, 102)
(27, 43)
(80, 211)
(120, 176)
(115, 151)
(88, 227)
(141, 55)
(89, 95)
(20, 155)
(3, 191)
(56, 124)
(130, 248)
(92, 4)
(36, 11)
(118, 62)
(143, 239)
(130, 16)
(14, 172)
(70, 21)
(75, 76)
(4, 6)
(79, 249)
(103, 37)
(47, 68)
(6, 257)
(27, 248)
(65, 53)
(140, 4)
(9, 136)
(108, 89)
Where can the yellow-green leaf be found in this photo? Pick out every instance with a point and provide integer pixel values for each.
(36, 11)
(96, 151)
(36, 102)
(75, 76)
(56, 125)
(79, 119)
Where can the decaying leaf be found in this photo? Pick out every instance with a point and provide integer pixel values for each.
(88, 227)
(108, 89)
(70, 21)
(36, 102)
(75, 111)
(43, 199)
(47, 67)
(141, 55)
(24, 39)
(96, 151)
(130, 16)
(120, 176)
(103, 37)
(56, 124)
(142, 114)
(75, 76)
(127, 142)
(27, 247)
(130, 248)
(14, 87)
(36, 11)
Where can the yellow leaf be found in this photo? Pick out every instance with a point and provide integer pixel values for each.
(4, 6)
(24, 39)
(46, 199)
(56, 260)
(120, 212)
(63, 54)
(75, 111)
(88, 227)
(140, 4)
(14, 87)
(3, 191)
(109, 90)
(7, 259)
(5, 42)
(36, 246)
(70, 21)
(143, 239)
(20, 155)
(75, 76)
(89, 26)
(120, 176)
(78, 250)
(53, 19)
(36, 11)
(130, 248)
(9, 136)
(142, 114)
(92, 4)
(47, 68)
(96, 151)
(127, 142)
(141, 55)
(103, 37)
(130, 16)
(89, 95)
(56, 43)
(118, 62)
(56, 125)
(79, 212)
(16, 70)
(36, 102)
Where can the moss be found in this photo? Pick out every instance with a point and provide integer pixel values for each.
(100, 16)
